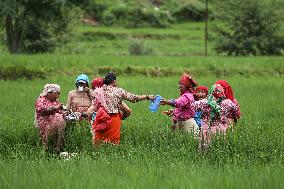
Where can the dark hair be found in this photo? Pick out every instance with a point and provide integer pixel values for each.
(109, 78)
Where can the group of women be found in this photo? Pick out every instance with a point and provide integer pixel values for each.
(105, 100)
(203, 112)
(196, 111)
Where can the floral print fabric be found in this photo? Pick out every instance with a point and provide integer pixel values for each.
(111, 98)
(49, 125)
(220, 123)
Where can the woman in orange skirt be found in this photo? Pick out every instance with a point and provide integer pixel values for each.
(107, 104)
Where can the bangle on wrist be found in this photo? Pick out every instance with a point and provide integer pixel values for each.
(147, 97)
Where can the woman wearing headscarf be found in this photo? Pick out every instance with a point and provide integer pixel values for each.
(107, 103)
(200, 93)
(80, 99)
(124, 109)
(49, 117)
(229, 94)
(97, 82)
(183, 114)
(216, 110)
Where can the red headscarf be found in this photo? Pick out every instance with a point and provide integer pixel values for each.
(98, 82)
(202, 88)
(187, 81)
(227, 89)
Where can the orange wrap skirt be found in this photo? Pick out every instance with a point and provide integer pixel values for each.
(112, 133)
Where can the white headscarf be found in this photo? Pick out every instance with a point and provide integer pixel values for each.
(50, 88)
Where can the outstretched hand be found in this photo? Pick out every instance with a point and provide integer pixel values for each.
(163, 102)
(168, 112)
(151, 97)
(167, 102)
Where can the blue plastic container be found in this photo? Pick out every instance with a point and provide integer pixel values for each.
(154, 105)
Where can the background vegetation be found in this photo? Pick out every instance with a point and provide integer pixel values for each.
(249, 28)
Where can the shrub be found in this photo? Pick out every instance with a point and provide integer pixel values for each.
(20, 72)
(108, 18)
(138, 47)
(193, 11)
(96, 9)
(249, 27)
(135, 16)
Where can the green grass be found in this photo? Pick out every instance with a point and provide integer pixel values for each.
(182, 30)
(89, 173)
(54, 64)
(178, 40)
(169, 47)
(150, 156)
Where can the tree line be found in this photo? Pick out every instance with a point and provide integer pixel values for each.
(250, 27)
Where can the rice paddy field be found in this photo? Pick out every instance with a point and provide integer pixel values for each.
(150, 155)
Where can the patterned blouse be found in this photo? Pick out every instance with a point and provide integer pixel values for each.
(111, 98)
(41, 105)
(221, 122)
(79, 101)
(238, 113)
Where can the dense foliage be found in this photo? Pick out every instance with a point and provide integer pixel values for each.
(145, 14)
(250, 27)
(136, 16)
(192, 11)
(36, 26)
(20, 72)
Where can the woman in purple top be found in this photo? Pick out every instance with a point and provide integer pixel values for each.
(183, 114)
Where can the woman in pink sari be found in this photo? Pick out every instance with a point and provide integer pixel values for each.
(49, 117)
(107, 104)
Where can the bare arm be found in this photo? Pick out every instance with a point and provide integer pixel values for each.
(52, 109)
(145, 97)
(135, 98)
(168, 102)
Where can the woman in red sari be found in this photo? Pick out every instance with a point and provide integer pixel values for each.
(229, 94)
(107, 104)
(49, 117)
